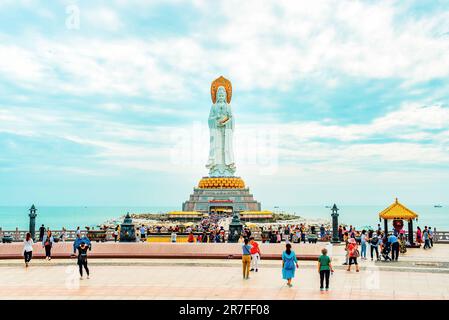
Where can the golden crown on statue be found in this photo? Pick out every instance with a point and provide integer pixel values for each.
(221, 81)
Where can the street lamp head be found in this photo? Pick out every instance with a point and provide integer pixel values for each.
(334, 209)
(32, 210)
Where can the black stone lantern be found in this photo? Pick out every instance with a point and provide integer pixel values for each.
(32, 216)
(127, 230)
(335, 238)
(235, 228)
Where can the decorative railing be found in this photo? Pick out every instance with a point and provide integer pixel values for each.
(70, 235)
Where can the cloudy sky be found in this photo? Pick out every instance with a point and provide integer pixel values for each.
(106, 102)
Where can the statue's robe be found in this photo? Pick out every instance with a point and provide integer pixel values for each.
(221, 153)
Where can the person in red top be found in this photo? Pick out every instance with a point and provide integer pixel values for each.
(353, 253)
(191, 238)
(255, 254)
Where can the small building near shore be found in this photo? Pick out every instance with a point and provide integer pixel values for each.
(259, 216)
(186, 215)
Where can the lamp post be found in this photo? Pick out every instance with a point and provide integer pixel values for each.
(32, 216)
(335, 238)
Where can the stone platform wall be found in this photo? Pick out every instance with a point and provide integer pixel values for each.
(270, 251)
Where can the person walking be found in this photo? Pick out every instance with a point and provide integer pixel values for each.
(418, 235)
(47, 243)
(322, 232)
(340, 233)
(82, 258)
(255, 254)
(374, 245)
(324, 268)
(289, 264)
(426, 238)
(278, 237)
(63, 235)
(173, 236)
(346, 240)
(246, 258)
(115, 234)
(402, 242)
(41, 232)
(143, 233)
(353, 254)
(394, 242)
(431, 236)
(303, 234)
(28, 249)
(363, 245)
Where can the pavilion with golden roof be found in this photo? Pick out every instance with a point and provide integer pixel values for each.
(398, 213)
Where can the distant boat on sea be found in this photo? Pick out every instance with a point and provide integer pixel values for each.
(438, 206)
(328, 207)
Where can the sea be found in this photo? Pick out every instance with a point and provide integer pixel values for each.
(56, 217)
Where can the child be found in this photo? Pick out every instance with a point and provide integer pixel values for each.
(353, 254)
(324, 268)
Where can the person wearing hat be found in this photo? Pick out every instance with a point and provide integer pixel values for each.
(353, 254)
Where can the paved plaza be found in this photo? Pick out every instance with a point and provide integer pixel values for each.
(419, 275)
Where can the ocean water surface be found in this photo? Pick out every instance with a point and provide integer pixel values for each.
(71, 217)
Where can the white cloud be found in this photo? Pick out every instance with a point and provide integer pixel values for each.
(20, 65)
(101, 18)
(311, 146)
(256, 46)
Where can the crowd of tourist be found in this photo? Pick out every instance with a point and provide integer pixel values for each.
(380, 244)
(251, 256)
(425, 236)
(295, 233)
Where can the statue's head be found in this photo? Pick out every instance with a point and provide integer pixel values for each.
(221, 94)
(216, 84)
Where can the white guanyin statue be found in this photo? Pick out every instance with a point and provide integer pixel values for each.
(221, 125)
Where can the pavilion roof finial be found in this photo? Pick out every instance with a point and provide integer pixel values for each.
(396, 199)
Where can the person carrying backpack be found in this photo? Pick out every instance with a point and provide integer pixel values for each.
(289, 264)
(374, 244)
(82, 258)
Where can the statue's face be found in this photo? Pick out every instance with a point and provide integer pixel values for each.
(221, 94)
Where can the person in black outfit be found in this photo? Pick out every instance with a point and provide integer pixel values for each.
(41, 232)
(82, 258)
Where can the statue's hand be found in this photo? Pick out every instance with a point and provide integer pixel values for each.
(223, 121)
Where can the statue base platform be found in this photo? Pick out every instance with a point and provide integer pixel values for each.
(223, 195)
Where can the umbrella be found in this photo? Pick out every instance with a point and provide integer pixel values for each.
(367, 228)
